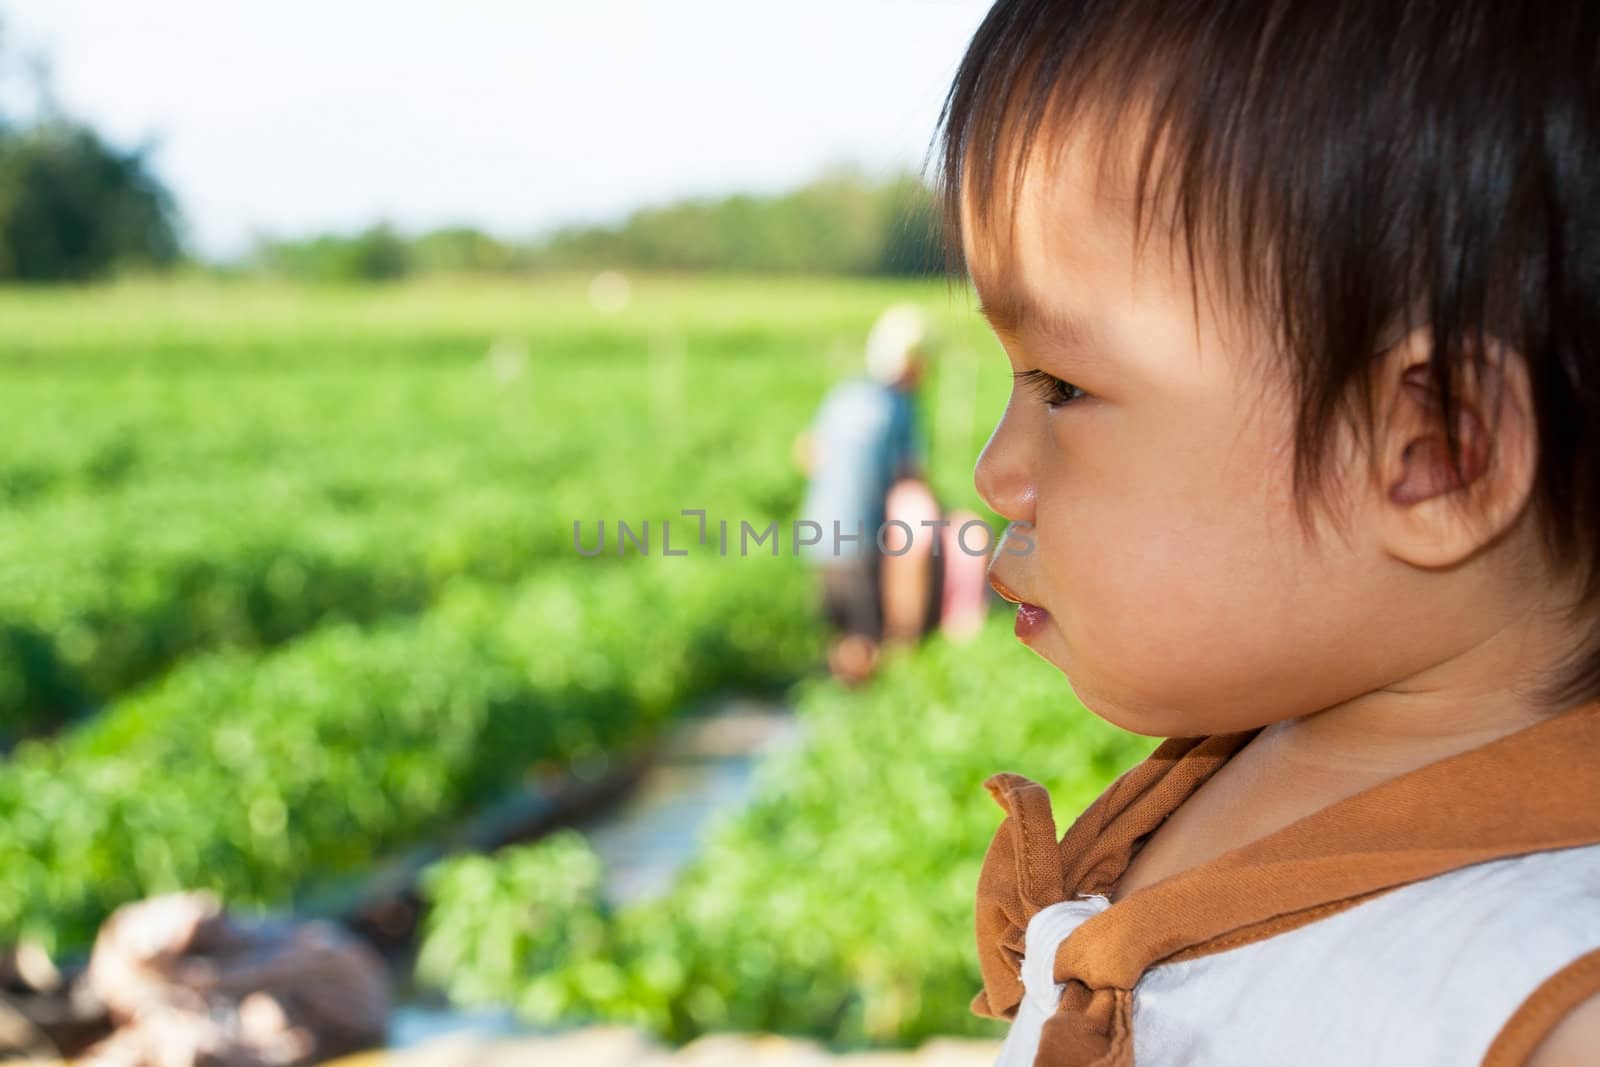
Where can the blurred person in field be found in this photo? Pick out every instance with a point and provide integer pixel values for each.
(867, 473)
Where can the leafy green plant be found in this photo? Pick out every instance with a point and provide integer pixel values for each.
(263, 776)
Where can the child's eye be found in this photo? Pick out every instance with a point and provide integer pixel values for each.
(1053, 391)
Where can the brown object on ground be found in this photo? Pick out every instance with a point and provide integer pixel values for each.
(28, 966)
(42, 1014)
(187, 985)
(19, 1036)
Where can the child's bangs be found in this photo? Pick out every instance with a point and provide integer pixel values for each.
(1039, 79)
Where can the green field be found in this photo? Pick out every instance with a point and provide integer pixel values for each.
(196, 466)
(288, 583)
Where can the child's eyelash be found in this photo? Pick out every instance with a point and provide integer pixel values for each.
(1051, 390)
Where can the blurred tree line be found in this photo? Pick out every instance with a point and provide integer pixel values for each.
(74, 208)
(841, 223)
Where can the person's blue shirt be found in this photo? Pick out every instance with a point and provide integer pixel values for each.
(864, 438)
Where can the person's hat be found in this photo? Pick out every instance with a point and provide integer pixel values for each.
(899, 331)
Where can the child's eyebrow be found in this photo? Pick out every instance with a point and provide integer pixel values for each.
(1011, 311)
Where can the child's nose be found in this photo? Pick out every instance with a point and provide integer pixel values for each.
(1003, 477)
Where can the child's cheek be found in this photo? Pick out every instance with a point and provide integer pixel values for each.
(1167, 597)
(1144, 601)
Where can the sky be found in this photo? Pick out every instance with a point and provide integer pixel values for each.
(291, 117)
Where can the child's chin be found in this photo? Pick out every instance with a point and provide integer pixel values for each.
(1132, 715)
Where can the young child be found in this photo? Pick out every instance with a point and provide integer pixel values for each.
(1303, 304)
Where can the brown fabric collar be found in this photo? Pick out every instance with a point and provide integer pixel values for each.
(1532, 790)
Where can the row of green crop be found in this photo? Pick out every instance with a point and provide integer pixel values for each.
(343, 428)
(118, 386)
(99, 594)
(838, 904)
(265, 776)
(292, 324)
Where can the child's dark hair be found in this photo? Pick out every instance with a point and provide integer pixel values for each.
(1365, 165)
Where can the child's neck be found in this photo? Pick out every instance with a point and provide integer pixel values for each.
(1465, 700)
(1298, 766)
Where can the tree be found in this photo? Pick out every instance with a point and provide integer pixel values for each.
(73, 208)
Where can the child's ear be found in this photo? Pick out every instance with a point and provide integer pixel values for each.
(1435, 514)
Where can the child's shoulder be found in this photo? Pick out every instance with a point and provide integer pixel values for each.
(1466, 951)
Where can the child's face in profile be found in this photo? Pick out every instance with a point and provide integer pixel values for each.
(1182, 596)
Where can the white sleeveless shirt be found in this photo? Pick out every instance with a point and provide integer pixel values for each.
(1420, 976)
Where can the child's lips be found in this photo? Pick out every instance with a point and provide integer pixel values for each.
(1031, 618)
